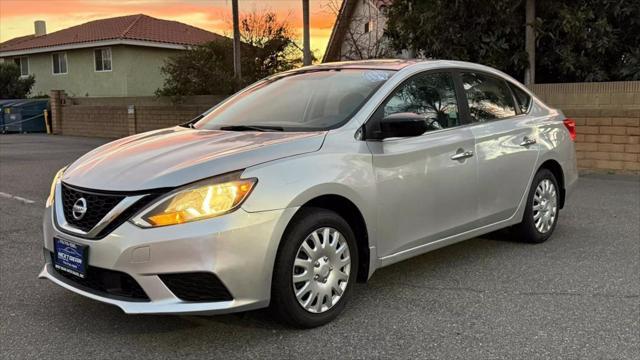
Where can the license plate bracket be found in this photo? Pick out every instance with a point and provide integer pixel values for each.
(70, 257)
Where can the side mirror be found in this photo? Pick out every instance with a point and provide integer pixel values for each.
(403, 125)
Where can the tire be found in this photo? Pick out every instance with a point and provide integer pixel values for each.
(534, 228)
(324, 265)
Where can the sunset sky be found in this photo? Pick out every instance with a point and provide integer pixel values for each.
(17, 16)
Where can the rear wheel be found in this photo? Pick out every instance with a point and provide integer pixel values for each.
(315, 269)
(541, 214)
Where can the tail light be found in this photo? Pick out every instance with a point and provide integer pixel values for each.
(570, 124)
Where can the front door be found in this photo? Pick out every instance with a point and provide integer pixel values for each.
(425, 184)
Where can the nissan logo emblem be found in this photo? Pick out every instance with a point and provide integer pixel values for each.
(79, 209)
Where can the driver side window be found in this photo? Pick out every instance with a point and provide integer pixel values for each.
(431, 95)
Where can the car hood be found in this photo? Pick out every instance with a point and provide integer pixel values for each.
(178, 156)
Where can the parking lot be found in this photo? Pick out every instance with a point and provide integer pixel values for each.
(573, 297)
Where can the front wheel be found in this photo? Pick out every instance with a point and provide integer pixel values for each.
(541, 212)
(315, 269)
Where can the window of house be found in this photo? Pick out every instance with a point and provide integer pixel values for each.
(103, 59)
(431, 95)
(524, 99)
(489, 98)
(23, 64)
(367, 27)
(59, 63)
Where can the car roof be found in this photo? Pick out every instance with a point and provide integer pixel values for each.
(394, 64)
(399, 64)
(381, 64)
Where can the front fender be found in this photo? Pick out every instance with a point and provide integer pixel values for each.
(294, 181)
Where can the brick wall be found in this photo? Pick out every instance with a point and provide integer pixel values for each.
(607, 119)
(97, 121)
(121, 116)
(158, 117)
(56, 111)
(608, 143)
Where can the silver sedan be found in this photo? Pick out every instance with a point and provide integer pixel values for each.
(290, 191)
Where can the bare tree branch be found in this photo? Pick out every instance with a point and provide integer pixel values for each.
(362, 41)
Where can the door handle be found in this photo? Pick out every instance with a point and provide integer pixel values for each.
(462, 155)
(527, 141)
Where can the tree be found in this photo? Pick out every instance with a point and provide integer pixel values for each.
(485, 31)
(577, 40)
(12, 86)
(271, 43)
(268, 47)
(206, 69)
(581, 40)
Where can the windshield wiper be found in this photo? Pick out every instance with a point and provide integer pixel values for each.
(191, 123)
(251, 128)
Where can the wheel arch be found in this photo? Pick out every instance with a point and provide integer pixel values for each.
(348, 210)
(556, 169)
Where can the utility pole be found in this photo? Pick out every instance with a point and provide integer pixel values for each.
(237, 71)
(530, 43)
(306, 46)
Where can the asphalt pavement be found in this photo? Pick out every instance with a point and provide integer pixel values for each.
(577, 296)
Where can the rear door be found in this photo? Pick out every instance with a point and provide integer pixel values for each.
(505, 145)
(426, 184)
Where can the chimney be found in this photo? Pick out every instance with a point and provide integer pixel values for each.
(41, 28)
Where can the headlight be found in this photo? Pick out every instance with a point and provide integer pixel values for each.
(52, 192)
(201, 200)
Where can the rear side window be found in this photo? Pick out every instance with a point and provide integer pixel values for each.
(524, 100)
(489, 97)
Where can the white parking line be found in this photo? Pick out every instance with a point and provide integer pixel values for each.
(14, 197)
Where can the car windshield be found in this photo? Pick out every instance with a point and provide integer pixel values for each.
(303, 101)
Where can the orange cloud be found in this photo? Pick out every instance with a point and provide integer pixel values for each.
(17, 16)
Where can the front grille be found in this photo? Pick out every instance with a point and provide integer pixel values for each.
(106, 283)
(98, 205)
(128, 213)
(197, 286)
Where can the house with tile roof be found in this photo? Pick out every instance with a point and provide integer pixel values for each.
(119, 56)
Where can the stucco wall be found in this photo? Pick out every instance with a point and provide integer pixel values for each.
(135, 72)
(143, 75)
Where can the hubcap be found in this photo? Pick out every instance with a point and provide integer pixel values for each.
(545, 206)
(321, 270)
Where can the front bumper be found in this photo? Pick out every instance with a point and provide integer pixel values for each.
(239, 248)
